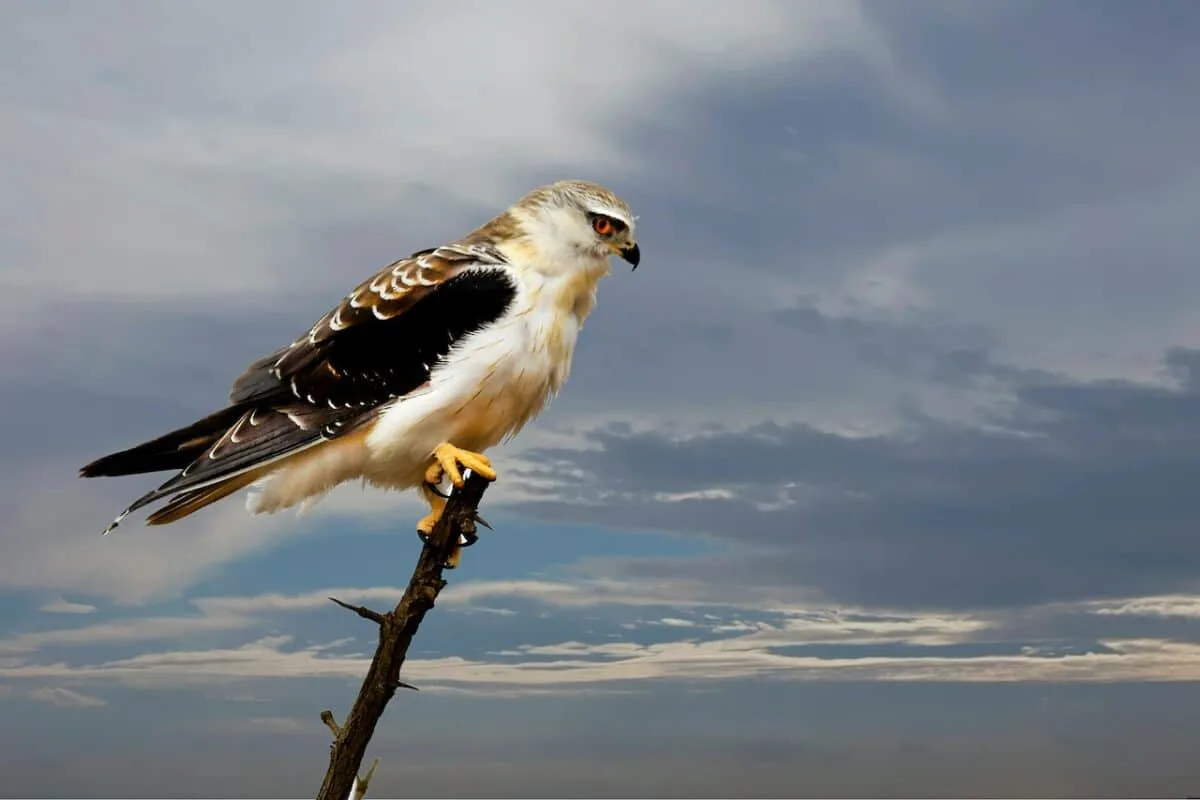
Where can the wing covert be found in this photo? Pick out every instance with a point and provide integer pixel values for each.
(383, 339)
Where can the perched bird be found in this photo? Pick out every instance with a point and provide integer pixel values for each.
(412, 376)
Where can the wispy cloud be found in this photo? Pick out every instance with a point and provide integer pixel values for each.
(123, 631)
(278, 725)
(66, 698)
(60, 605)
(577, 663)
(1176, 605)
(611, 591)
(711, 641)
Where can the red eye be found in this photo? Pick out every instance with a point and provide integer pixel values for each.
(602, 226)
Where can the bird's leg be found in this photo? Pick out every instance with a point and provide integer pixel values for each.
(437, 504)
(447, 459)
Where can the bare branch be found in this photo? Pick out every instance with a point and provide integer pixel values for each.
(396, 631)
(362, 611)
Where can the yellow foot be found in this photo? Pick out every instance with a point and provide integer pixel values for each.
(427, 523)
(437, 504)
(448, 458)
(425, 526)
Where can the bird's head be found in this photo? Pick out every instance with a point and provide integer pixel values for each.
(578, 220)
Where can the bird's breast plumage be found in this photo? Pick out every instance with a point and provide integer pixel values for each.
(493, 382)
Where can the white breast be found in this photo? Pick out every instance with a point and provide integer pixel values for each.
(491, 384)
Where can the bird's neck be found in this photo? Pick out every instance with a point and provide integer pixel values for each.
(571, 289)
(560, 278)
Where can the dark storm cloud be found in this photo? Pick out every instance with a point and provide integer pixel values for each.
(946, 353)
(756, 187)
(1082, 489)
(844, 165)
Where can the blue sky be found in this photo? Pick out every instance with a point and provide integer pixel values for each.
(876, 478)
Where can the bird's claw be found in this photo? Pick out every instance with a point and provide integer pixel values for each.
(465, 539)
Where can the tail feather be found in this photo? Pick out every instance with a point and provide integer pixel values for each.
(171, 451)
(188, 503)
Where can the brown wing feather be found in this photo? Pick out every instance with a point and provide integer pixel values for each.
(386, 295)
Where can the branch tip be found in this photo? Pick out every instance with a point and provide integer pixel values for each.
(362, 611)
(331, 723)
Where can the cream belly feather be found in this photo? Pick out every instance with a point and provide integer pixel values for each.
(487, 388)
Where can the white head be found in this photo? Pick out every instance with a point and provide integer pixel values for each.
(577, 221)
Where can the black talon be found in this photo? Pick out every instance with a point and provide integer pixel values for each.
(464, 539)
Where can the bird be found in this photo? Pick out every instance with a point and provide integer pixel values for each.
(411, 377)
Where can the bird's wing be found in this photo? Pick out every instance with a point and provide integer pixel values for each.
(383, 339)
(378, 345)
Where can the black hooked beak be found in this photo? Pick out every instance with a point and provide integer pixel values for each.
(632, 254)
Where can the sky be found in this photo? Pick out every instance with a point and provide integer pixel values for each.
(876, 478)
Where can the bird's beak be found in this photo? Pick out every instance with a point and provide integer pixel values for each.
(631, 253)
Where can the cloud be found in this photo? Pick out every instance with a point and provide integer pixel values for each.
(570, 663)
(585, 592)
(187, 205)
(61, 546)
(215, 615)
(122, 631)
(1183, 606)
(61, 605)
(349, 117)
(900, 295)
(278, 725)
(713, 640)
(908, 363)
(66, 698)
(1040, 499)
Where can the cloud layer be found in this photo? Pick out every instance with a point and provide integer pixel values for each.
(676, 633)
